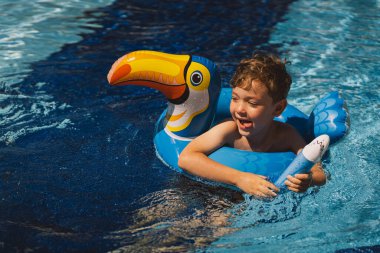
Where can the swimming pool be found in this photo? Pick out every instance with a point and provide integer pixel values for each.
(78, 167)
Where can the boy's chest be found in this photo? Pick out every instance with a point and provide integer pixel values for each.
(269, 145)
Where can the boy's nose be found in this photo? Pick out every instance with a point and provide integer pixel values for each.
(241, 108)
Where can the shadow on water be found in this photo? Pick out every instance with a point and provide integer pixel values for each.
(96, 184)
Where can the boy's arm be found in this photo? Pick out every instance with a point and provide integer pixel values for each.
(194, 160)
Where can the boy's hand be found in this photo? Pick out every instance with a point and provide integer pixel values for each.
(300, 182)
(256, 185)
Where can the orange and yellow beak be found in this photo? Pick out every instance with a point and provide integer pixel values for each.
(160, 71)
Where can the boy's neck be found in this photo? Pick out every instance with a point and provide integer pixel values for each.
(262, 142)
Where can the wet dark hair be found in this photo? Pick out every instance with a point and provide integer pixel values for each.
(269, 69)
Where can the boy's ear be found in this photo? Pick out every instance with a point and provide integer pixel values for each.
(280, 107)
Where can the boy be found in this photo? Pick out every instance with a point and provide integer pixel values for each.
(260, 87)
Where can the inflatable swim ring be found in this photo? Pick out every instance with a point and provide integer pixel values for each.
(196, 102)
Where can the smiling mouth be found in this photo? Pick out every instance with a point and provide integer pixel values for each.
(245, 123)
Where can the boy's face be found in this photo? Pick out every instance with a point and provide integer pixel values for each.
(254, 110)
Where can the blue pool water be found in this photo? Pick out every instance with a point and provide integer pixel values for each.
(78, 170)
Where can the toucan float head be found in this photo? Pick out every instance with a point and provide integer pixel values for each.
(190, 83)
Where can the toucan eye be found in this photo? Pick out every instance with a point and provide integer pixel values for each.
(196, 78)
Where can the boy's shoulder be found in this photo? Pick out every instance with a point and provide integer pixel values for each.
(285, 128)
(219, 135)
(288, 136)
(227, 125)
(226, 129)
